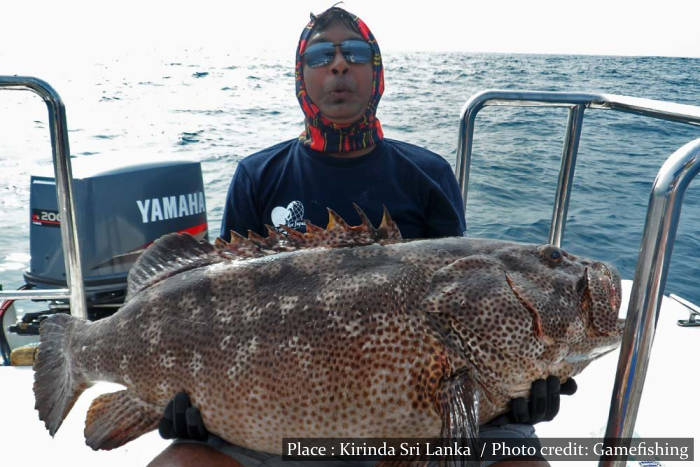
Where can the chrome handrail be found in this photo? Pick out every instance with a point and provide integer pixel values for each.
(576, 102)
(650, 275)
(659, 234)
(64, 195)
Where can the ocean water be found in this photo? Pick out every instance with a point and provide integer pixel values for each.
(218, 108)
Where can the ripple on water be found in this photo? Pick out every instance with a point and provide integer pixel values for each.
(189, 137)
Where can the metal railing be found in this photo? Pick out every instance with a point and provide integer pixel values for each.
(663, 214)
(650, 275)
(576, 102)
(64, 193)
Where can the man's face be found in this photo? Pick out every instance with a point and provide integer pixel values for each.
(341, 90)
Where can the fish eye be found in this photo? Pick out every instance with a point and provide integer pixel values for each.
(552, 254)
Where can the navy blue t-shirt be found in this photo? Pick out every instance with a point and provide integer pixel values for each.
(289, 182)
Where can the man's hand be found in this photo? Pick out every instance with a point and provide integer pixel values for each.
(543, 404)
(182, 420)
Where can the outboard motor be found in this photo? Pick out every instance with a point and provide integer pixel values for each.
(120, 212)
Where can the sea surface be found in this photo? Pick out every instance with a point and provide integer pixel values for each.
(218, 108)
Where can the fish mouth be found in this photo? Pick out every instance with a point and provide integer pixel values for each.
(613, 287)
(611, 283)
(600, 300)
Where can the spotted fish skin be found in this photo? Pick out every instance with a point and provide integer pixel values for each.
(354, 341)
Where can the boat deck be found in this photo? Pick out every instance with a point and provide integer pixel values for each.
(26, 443)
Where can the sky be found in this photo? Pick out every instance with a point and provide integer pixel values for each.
(57, 31)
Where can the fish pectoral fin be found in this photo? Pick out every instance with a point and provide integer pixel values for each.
(458, 405)
(117, 418)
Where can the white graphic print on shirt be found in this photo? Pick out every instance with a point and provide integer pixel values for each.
(291, 216)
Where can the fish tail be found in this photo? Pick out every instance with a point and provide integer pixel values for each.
(57, 381)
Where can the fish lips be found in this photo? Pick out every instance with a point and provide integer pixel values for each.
(601, 299)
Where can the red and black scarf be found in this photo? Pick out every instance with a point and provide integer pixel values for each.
(325, 136)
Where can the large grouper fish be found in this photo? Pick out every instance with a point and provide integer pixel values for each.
(337, 332)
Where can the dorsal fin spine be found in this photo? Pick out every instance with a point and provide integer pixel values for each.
(337, 234)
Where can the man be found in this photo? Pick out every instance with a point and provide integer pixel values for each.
(341, 158)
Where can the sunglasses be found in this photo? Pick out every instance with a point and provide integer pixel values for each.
(323, 53)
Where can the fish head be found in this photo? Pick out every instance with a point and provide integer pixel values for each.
(534, 302)
(516, 313)
(571, 299)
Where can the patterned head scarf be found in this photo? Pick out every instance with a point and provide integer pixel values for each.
(323, 135)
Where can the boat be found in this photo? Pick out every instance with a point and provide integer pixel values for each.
(647, 397)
